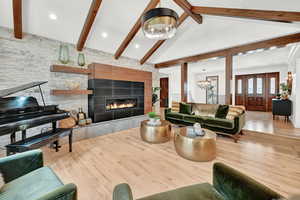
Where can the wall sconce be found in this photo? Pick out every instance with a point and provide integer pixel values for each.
(289, 81)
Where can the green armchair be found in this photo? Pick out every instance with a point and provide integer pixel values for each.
(26, 179)
(228, 184)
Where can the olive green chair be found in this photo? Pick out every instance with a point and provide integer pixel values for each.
(228, 184)
(26, 178)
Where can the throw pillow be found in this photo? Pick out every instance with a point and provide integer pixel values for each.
(222, 111)
(232, 114)
(235, 111)
(185, 108)
(175, 106)
(207, 110)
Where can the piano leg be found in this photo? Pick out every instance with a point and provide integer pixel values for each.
(70, 141)
(23, 134)
(56, 145)
(13, 137)
(54, 126)
(8, 153)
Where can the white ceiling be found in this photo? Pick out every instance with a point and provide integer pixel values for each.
(268, 58)
(116, 18)
(265, 59)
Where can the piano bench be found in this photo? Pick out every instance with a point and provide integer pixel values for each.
(41, 140)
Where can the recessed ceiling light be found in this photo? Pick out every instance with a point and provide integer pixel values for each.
(214, 58)
(260, 50)
(137, 46)
(273, 48)
(250, 52)
(240, 54)
(52, 16)
(104, 35)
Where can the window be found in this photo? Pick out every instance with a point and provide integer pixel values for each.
(259, 86)
(272, 85)
(240, 86)
(250, 86)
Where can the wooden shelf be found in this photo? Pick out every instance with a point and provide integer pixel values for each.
(69, 69)
(71, 92)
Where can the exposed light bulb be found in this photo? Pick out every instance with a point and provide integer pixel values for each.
(104, 35)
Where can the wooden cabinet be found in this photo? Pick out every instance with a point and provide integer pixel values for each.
(281, 108)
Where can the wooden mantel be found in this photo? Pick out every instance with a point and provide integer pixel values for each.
(103, 71)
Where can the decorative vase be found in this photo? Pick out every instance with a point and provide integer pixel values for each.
(198, 129)
(285, 95)
(81, 115)
(81, 59)
(64, 56)
(154, 121)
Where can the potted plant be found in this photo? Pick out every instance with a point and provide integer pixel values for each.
(278, 96)
(154, 119)
(285, 95)
(285, 91)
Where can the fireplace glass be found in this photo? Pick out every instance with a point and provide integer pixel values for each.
(116, 104)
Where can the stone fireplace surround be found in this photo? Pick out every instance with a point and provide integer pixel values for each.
(108, 94)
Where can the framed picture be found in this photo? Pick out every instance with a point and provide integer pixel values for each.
(212, 93)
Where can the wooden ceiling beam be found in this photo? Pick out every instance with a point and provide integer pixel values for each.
(279, 16)
(89, 21)
(279, 42)
(134, 30)
(187, 7)
(182, 18)
(17, 13)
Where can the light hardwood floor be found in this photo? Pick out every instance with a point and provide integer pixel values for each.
(263, 122)
(98, 164)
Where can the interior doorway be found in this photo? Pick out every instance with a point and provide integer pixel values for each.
(256, 91)
(164, 92)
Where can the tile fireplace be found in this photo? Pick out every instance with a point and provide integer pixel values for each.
(114, 99)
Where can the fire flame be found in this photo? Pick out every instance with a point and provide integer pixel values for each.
(118, 106)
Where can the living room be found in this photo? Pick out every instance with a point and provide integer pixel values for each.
(174, 99)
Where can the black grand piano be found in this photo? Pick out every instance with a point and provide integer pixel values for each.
(17, 114)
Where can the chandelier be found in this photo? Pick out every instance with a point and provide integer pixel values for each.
(205, 84)
(159, 23)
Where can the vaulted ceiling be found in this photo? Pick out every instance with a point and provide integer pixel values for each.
(277, 58)
(116, 18)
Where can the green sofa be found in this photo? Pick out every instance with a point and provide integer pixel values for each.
(205, 115)
(228, 184)
(26, 179)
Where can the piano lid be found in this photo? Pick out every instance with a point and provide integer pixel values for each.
(6, 92)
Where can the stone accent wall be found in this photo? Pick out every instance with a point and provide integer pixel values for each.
(29, 59)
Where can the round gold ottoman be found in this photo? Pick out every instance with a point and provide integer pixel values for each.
(155, 134)
(195, 148)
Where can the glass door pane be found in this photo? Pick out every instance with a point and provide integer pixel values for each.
(250, 86)
(273, 85)
(240, 86)
(259, 86)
